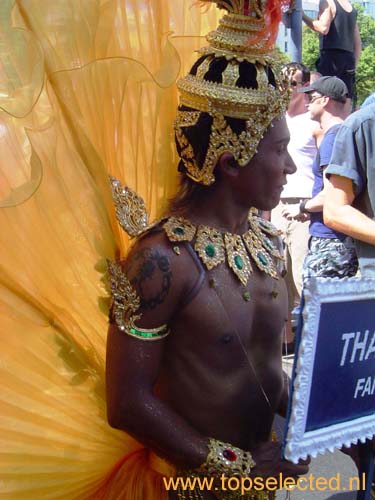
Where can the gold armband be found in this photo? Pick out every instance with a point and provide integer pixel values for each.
(224, 458)
(126, 303)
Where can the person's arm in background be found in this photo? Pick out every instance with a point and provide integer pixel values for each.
(357, 45)
(315, 204)
(299, 211)
(323, 23)
(347, 180)
(341, 216)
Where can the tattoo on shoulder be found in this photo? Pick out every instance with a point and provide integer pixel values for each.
(153, 277)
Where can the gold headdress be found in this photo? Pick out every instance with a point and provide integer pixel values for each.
(233, 80)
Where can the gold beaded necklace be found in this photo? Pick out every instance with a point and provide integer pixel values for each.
(215, 247)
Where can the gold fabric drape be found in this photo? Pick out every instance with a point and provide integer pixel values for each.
(87, 89)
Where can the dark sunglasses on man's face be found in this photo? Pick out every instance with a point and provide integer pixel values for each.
(293, 83)
(313, 97)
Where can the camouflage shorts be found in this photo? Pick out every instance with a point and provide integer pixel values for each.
(330, 258)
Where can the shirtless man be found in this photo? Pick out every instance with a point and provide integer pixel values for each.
(203, 394)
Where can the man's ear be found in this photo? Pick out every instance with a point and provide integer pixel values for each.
(228, 165)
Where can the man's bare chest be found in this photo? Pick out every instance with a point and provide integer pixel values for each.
(225, 311)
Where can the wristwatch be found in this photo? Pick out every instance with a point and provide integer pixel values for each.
(302, 206)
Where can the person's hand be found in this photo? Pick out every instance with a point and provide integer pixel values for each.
(291, 211)
(270, 464)
(302, 217)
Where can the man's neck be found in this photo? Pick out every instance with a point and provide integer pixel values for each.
(222, 213)
(327, 121)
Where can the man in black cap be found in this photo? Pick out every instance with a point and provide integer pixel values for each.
(331, 253)
(327, 86)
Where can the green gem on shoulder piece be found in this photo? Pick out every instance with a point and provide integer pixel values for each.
(246, 296)
(210, 251)
(179, 231)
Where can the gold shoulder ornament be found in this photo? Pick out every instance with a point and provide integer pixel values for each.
(130, 209)
(125, 306)
(132, 216)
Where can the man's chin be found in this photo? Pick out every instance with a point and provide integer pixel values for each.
(269, 204)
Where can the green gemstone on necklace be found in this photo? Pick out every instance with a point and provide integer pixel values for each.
(268, 244)
(179, 230)
(246, 296)
(238, 262)
(210, 251)
(263, 259)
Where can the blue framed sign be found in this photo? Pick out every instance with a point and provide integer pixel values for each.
(332, 399)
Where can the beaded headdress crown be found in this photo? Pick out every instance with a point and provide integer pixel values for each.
(233, 80)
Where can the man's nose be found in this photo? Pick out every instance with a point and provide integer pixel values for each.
(290, 165)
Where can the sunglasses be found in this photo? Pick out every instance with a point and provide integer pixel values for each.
(312, 98)
(293, 83)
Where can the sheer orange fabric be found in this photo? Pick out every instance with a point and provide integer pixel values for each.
(86, 89)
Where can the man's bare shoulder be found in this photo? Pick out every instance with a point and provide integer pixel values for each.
(159, 271)
(154, 247)
(327, 5)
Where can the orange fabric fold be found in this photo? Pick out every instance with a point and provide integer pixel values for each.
(87, 89)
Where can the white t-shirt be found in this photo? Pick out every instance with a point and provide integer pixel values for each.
(302, 149)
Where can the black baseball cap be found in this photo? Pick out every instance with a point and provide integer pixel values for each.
(329, 86)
